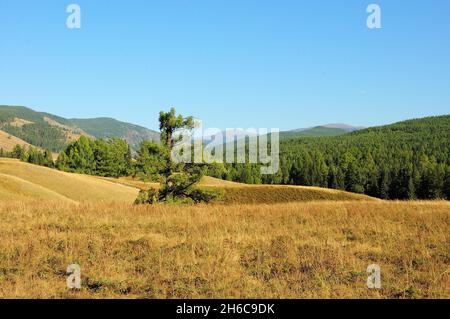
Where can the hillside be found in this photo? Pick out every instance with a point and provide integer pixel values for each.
(53, 132)
(21, 181)
(8, 141)
(236, 193)
(313, 132)
(405, 160)
(26, 181)
(107, 127)
(323, 130)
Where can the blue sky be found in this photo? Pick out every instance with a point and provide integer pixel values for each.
(247, 63)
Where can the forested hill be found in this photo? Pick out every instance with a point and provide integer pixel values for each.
(406, 160)
(105, 127)
(323, 130)
(53, 132)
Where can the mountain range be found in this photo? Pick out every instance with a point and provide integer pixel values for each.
(22, 125)
(322, 130)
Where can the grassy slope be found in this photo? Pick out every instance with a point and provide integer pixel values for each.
(295, 250)
(97, 127)
(23, 180)
(236, 193)
(28, 181)
(14, 188)
(8, 141)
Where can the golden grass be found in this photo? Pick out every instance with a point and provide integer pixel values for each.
(132, 182)
(32, 181)
(17, 122)
(293, 250)
(13, 188)
(80, 188)
(236, 193)
(8, 141)
(208, 181)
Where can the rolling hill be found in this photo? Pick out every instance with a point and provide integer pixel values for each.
(21, 181)
(237, 193)
(404, 160)
(53, 132)
(8, 141)
(323, 130)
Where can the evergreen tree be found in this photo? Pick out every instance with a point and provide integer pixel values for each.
(178, 184)
(18, 151)
(383, 183)
(447, 183)
(151, 161)
(48, 159)
(62, 163)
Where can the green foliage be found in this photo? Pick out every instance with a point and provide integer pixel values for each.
(18, 151)
(169, 122)
(151, 161)
(149, 196)
(313, 132)
(179, 188)
(8, 113)
(4, 153)
(106, 128)
(406, 160)
(62, 163)
(110, 158)
(41, 134)
(447, 183)
(33, 155)
(177, 181)
(38, 134)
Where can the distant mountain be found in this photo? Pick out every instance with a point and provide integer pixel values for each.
(104, 127)
(404, 160)
(317, 131)
(54, 132)
(346, 127)
(323, 130)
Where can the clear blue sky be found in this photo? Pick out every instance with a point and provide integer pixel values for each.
(232, 63)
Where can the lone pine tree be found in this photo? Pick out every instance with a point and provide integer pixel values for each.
(178, 180)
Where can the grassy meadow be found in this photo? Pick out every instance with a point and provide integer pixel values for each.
(292, 250)
(23, 181)
(255, 242)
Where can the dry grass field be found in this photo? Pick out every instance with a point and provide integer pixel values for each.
(23, 181)
(256, 242)
(8, 141)
(293, 250)
(236, 193)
